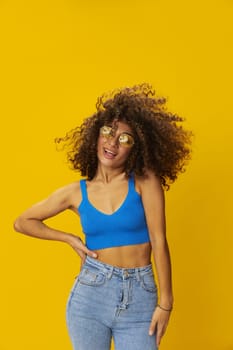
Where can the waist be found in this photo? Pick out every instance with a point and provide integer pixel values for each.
(128, 256)
(115, 270)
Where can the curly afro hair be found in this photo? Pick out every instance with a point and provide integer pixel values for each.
(162, 145)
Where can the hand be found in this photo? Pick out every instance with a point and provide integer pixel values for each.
(159, 323)
(80, 248)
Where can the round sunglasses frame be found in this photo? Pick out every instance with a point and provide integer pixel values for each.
(124, 139)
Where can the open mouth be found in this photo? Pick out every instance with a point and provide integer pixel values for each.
(109, 154)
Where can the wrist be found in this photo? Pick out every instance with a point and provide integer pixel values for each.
(70, 238)
(167, 309)
(166, 303)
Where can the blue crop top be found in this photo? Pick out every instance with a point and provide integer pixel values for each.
(126, 226)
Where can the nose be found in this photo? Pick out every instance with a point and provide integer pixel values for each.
(112, 141)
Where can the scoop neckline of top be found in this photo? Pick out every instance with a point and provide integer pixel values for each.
(117, 210)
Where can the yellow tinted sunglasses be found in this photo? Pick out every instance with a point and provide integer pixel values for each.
(124, 139)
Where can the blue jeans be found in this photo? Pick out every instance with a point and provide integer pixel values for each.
(109, 302)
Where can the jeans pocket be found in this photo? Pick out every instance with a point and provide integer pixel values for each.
(148, 282)
(91, 277)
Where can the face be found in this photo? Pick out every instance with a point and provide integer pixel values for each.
(114, 144)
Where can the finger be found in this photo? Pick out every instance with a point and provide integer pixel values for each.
(81, 254)
(82, 261)
(86, 250)
(158, 339)
(152, 327)
(159, 335)
(90, 253)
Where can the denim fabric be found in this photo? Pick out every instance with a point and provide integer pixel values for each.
(108, 302)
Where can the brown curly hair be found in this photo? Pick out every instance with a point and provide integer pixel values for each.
(161, 144)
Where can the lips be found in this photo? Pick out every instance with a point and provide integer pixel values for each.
(109, 154)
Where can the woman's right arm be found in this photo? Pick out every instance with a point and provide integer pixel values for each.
(31, 221)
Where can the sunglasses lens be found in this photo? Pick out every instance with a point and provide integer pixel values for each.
(106, 131)
(126, 140)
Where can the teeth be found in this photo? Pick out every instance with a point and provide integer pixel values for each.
(107, 151)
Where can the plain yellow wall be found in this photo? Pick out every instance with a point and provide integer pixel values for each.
(56, 58)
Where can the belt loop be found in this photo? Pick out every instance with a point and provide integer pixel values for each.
(138, 275)
(110, 273)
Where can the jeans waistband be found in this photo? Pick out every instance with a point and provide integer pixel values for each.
(120, 271)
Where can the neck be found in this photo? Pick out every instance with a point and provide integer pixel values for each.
(106, 175)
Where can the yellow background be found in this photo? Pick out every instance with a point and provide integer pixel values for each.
(56, 58)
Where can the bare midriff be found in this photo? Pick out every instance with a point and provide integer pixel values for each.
(130, 256)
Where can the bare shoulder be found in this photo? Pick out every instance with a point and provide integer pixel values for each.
(152, 194)
(65, 197)
(149, 182)
(70, 193)
(69, 188)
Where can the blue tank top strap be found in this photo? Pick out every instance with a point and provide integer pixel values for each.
(131, 183)
(83, 188)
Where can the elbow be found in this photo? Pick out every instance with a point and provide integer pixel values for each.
(18, 225)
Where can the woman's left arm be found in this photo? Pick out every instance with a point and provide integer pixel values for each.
(154, 205)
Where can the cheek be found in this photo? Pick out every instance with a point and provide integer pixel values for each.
(99, 143)
(100, 146)
(125, 152)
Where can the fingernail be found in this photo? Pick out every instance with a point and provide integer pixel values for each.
(94, 255)
(150, 332)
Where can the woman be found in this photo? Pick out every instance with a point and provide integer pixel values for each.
(129, 151)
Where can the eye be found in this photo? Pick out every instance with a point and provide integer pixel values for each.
(126, 140)
(105, 131)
